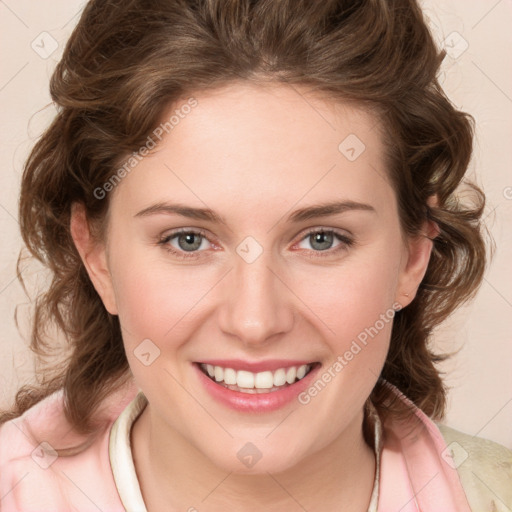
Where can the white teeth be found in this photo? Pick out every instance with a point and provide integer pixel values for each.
(280, 377)
(261, 380)
(291, 375)
(219, 373)
(229, 376)
(301, 371)
(244, 379)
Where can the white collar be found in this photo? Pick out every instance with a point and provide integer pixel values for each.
(121, 459)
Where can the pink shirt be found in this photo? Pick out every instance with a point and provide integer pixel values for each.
(414, 469)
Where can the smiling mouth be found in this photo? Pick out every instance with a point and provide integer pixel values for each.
(256, 383)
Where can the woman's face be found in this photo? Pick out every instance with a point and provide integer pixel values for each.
(257, 286)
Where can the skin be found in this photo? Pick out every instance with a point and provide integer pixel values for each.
(254, 154)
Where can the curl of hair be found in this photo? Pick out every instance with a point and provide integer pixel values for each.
(128, 60)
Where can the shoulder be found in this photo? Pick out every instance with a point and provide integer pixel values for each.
(484, 468)
(45, 464)
(28, 450)
(44, 423)
(478, 468)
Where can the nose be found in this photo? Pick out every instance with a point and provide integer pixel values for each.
(257, 305)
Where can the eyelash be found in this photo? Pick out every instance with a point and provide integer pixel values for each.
(346, 242)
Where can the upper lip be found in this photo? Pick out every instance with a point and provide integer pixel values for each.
(256, 366)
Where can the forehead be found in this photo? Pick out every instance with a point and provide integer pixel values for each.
(251, 146)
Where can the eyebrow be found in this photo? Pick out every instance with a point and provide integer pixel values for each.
(300, 215)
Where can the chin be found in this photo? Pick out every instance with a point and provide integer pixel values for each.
(248, 459)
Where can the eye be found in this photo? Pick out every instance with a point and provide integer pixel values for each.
(186, 241)
(322, 241)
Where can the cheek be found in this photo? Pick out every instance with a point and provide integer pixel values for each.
(157, 308)
(353, 307)
(352, 296)
(155, 303)
(155, 300)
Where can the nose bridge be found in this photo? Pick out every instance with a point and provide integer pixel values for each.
(256, 306)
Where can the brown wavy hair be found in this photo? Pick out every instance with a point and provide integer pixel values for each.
(128, 60)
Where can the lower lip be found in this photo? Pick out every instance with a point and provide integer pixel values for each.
(260, 402)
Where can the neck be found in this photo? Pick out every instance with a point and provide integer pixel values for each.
(174, 475)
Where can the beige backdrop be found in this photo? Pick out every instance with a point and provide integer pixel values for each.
(477, 75)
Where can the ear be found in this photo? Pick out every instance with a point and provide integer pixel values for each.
(417, 257)
(94, 257)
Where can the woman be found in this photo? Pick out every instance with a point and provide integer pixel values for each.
(249, 211)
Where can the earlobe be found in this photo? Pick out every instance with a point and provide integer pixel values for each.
(94, 257)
